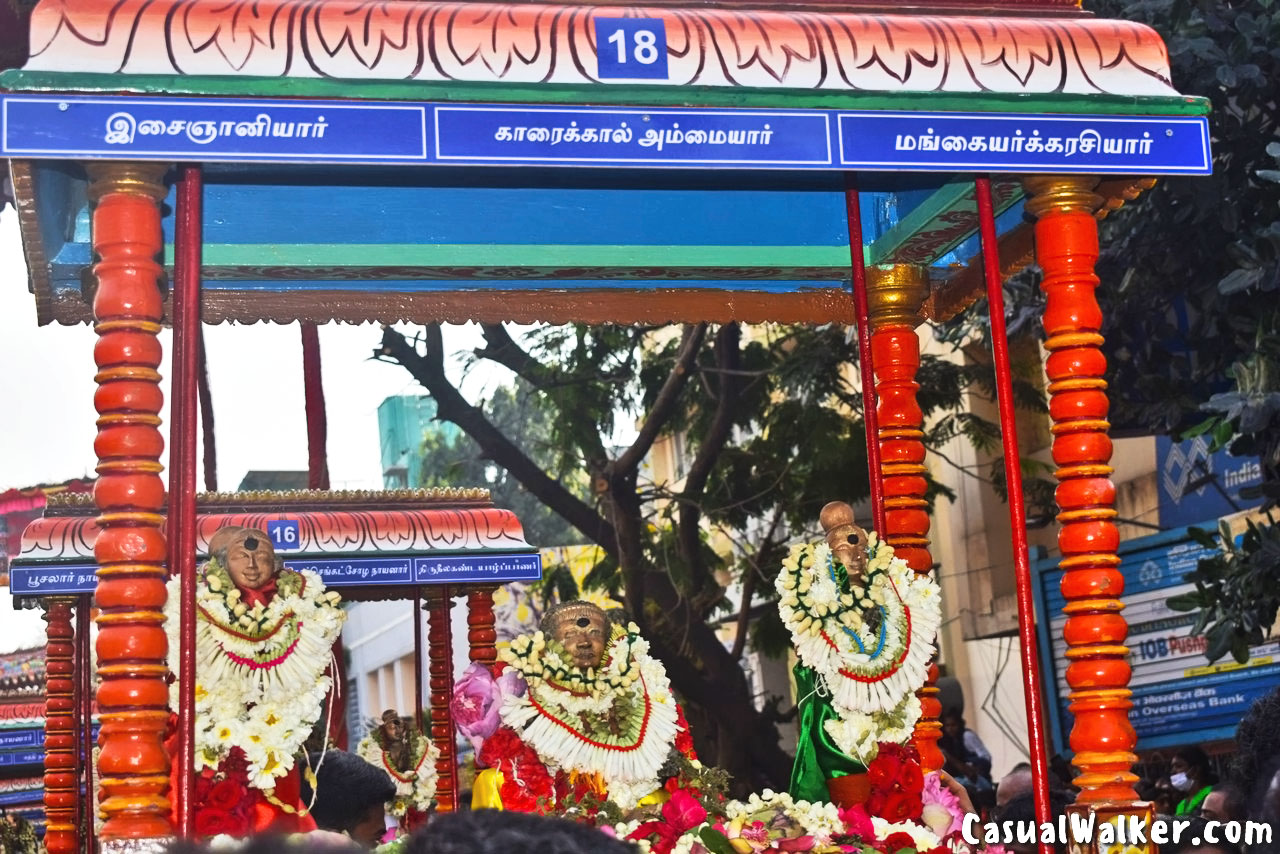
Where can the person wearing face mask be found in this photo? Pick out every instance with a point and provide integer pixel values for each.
(1191, 775)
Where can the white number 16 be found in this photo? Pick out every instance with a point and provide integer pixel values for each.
(645, 51)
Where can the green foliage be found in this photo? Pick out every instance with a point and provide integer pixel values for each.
(453, 458)
(1236, 591)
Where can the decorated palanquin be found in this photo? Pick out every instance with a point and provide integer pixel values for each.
(442, 161)
(275, 569)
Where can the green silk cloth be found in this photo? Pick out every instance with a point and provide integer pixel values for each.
(817, 757)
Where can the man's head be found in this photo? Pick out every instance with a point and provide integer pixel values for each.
(246, 554)
(953, 724)
(1224, 803)
(350, 796)
(581, 628)
(1015, 784)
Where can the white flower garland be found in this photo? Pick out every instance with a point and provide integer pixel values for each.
(555, 716)
(871, 668)
(415, 788)
(260, 682)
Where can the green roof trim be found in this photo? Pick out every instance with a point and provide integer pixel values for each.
(45, 82)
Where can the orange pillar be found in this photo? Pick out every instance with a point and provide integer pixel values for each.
(895, 294)
(61, 782)
(440, 670)
(1098, 673)
(133, 697)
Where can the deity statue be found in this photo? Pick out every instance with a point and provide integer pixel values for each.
(863, 624)
(408, 756)
(592, 717)
(394, 740)
(264, 637)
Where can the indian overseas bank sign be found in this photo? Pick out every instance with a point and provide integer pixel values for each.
(1178, 696)
(1195, 484)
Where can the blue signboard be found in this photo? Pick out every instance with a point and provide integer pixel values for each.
(631, 48)
(499, 568)
(346, 572)
(230, 130)
(16, 739)
(439, 570)
(21, 757)
(1178, 696)
(43, 581)
(1195, 484)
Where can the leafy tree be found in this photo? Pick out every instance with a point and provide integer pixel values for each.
(774, 429)
(452, 458)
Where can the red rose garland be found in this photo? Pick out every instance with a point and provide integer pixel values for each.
(896, 784)
(526, 784)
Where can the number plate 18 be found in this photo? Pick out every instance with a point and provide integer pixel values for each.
(631, 48)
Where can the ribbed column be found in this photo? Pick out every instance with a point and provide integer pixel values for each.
(1098, 673)
(895, 294)
(133, 768)
(482, 636)
(61, 782)
(440, 670)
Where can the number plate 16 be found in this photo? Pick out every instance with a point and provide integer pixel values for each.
(631, 48)
(283, 534)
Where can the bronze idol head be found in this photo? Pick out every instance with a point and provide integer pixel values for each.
(247, 555)
(582, 629)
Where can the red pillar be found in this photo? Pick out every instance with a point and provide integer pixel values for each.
(1098, 674)
(482, 636)
(440, 671)
(61, 782)
(895, 295)
(133, 697)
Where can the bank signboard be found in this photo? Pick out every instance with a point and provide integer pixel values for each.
(1178, 696)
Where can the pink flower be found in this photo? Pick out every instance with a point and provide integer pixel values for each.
(799, 843)
(942, 811)
(857, 822)
(477, 699)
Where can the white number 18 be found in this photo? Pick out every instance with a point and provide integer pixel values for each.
(645, 51)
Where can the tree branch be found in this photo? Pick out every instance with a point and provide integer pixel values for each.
(500, 347)
(727, 358)
(451, 406)
(665, 403)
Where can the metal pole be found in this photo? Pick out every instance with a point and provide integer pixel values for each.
(182, 472)
(1017, 510)
(870, 420)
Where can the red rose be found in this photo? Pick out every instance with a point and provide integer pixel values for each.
(898, 841)
(910, 778)
(900, 806)
(226, 795)
(684, 740)
(212, 822)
